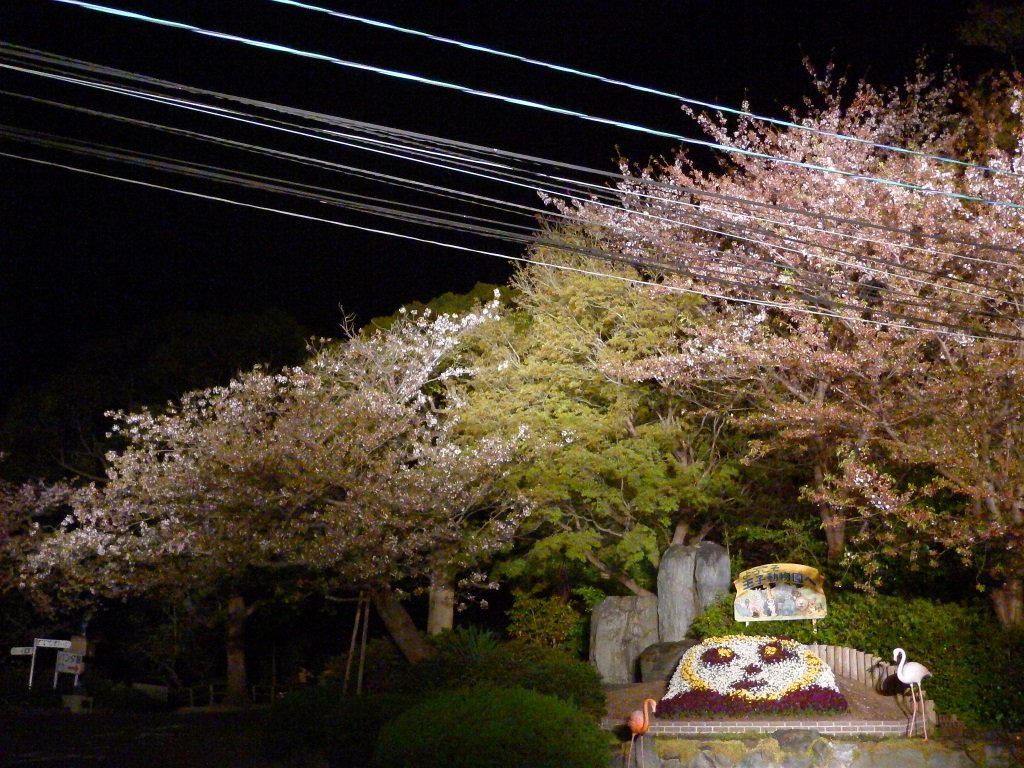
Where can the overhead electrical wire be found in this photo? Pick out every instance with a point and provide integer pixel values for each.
(515, 101)
(531, 185)
(690, 224)
(723, 277)
(745, 265)
(787, 306)
(748, 265)
(32, 54)
(476, 47)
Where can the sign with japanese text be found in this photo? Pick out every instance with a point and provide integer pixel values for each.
(779, 592)
(44, 643)
(70, 663)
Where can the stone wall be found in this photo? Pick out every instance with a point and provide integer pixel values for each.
(793, 748)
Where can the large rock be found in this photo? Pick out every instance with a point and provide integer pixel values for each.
(659, 661)
(620, 628)
(690, 578)
(711, 573)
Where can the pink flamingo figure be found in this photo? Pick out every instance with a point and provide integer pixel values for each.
(910, 673)
(639, 723)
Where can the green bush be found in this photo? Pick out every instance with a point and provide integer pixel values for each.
(320, 722)
(976, 672)
(465, 661)
(492, 728)
(548, 621)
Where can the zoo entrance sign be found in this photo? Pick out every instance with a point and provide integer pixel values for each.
(779, 592)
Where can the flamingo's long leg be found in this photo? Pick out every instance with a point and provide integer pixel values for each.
(924, 717)
(913, 716)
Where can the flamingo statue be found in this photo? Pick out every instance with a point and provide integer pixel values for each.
(639, 723)
(910, 673)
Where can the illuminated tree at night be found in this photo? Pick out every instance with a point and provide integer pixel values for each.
(344, 469)
(868, 331)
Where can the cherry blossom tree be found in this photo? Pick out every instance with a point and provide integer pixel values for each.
(344, 470)
(859, 299)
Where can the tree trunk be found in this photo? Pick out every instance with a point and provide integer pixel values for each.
(237, 693)
(835, 534)
(441, 610)
(1008, 601)
(627, 581)
(400, 626)
(833, 523)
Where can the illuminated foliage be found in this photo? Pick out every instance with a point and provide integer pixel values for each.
(868, 331)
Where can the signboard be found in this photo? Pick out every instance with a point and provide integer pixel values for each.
(70, 663)
(44, 643)
(779, 592)
(22, 650)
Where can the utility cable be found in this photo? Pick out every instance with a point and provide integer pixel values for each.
(731, 234)
(515, 101)
(432, 221)
(518, 157)
(643, 89)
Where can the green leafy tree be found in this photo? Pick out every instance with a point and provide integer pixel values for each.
(616, 467)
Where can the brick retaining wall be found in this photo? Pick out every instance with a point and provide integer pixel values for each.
(827, 727)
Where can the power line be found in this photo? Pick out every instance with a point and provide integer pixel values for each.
(759, 265)
(642, 88)
(957, 333)
(711, 225)
(21, 52)
(247, 180)
(515, 101)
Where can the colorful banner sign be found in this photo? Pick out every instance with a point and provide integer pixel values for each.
(779, 592)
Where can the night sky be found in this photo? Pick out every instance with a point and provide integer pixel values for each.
(82, 257)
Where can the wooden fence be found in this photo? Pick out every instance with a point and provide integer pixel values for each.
(865, 668)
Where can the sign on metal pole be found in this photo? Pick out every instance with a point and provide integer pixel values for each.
(40, 642)
(43, 643)
(69, 663)
(21, 650)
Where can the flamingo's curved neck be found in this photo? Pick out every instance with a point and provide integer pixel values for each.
(901, 656)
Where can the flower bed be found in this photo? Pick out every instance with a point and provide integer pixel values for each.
(750, 675)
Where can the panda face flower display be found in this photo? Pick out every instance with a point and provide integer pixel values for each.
(751, 674)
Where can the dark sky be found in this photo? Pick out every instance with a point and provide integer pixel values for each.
(82, 257)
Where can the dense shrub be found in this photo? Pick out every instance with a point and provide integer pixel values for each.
(320, 722)
(975, 665)
(547, 621)
(465, 660)
(492, 728)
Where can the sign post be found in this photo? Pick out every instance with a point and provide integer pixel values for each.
(39, 642)
(69, 663)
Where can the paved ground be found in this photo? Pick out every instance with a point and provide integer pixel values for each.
(51, 739)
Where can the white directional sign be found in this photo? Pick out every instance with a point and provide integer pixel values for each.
(43, 643)
(21, 650)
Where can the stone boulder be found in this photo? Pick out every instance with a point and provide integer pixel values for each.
(711, 573)
(690, 578)
(620, 628)
(659, 661)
